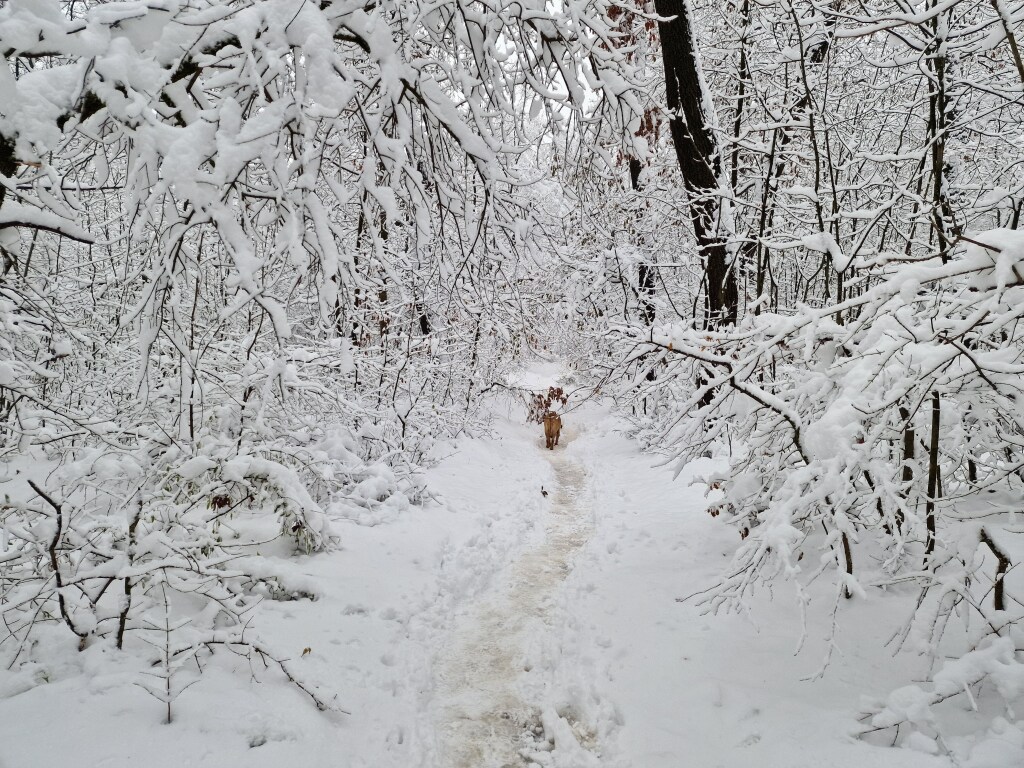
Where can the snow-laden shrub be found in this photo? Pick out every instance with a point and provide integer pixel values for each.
(880, 441)
(994, 669)
(255, 259)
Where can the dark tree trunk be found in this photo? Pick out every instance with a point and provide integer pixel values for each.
(8, 164)
(933, 479)
(699, 157)
(999, 600)
(645, 271)
(938, 106)
(907, 477)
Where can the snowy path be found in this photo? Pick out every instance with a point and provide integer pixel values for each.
(496, 628)
(486, 722)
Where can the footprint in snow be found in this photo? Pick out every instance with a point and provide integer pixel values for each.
(751, 740)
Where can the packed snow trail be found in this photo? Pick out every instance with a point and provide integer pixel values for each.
(486, 723)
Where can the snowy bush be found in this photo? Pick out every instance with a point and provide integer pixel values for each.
(884, 429)
(246, 257)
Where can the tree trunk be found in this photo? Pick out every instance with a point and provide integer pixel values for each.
(645, 271)
(938, 105)
(933, 479)
(699, 157)
(999, 600)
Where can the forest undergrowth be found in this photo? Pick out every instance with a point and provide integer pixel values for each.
(263, 261)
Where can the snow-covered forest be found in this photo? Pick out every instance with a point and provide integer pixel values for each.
(287, 287)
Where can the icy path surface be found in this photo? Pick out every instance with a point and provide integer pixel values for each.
(486, 721)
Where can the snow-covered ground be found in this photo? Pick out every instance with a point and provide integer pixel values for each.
(499, 626)
(692, 689)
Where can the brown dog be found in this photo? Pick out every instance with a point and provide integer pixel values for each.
(552, 429)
